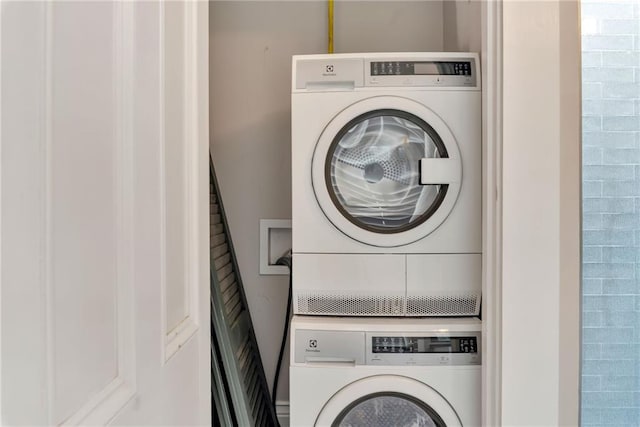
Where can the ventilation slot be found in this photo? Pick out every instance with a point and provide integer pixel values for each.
(388, 305)
(351, 305)
(450, 305)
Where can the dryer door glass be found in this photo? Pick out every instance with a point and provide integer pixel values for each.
(372, 171)
(388, 409)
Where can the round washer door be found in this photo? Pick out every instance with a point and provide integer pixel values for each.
(386, 171)
(386, 400)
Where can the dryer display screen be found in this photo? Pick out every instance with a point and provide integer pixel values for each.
(422, 68)
(424, 344)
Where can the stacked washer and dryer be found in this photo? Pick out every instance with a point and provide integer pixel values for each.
(387, 241)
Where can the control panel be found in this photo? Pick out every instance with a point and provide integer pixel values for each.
(342, 72)
(387, 348)
(449, 73)
(423, 349)
(396, 344)
(421, 68)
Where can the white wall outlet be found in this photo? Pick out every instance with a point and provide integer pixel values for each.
(275, 241)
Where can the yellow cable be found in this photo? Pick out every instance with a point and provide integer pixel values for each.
(330, 29)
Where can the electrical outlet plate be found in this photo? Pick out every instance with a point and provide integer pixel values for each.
(275, 241)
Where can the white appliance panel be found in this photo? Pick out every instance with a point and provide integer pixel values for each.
(446, 284)
(349, 284)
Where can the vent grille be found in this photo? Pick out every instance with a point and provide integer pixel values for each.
(444, 305)
(387, 305)
(351, 305)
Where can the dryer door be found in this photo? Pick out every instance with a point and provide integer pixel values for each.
(386, 171)
(387, 400)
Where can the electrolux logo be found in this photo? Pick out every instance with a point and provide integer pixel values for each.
(312, 347)
(329, 70)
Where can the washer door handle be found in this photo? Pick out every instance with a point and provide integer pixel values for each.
(440, 171)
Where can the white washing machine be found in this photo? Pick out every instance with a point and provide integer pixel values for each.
(386, 184)
(385, 372)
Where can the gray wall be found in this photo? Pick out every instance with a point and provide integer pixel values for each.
(251, 44)
(611, 218)
(462, 26)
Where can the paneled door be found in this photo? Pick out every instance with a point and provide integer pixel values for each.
(104, 213)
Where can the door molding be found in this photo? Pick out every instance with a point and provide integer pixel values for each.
(107, 403)
(492, 213)
(175, 337)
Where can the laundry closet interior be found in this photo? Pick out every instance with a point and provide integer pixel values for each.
(251, 45)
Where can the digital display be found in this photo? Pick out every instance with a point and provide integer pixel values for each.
(424, 345)
(421, 68)
(426, 68)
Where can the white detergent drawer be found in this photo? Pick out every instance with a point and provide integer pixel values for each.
(444, 284)
(349, 284)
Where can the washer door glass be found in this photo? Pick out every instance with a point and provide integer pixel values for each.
(388, 409)
(372, 171)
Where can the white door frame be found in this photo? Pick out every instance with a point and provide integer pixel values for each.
(492, 212)
(531, 293)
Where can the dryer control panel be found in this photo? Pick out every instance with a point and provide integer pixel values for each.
(450, 73)
(347, 72)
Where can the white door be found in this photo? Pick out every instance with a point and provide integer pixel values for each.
(104, 213)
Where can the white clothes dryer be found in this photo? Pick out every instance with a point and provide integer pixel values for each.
(386, 184)
(385, 372)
